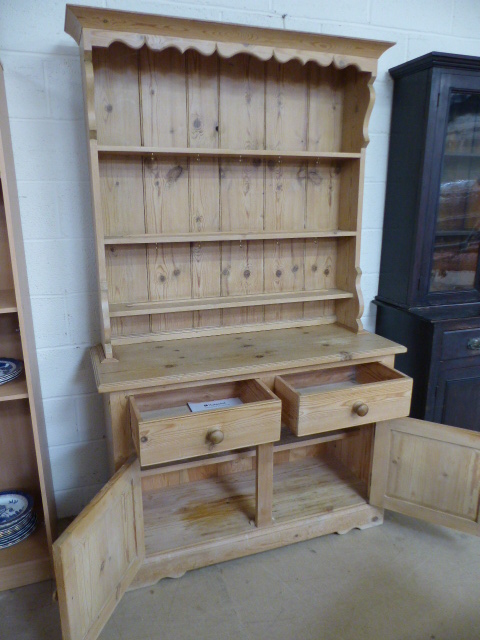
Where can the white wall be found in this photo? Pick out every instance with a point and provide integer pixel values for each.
(42, 74)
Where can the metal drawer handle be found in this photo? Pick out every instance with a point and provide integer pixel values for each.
(360, 408)
(473, 344)
(215, 436)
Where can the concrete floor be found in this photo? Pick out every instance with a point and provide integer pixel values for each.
(404, 580)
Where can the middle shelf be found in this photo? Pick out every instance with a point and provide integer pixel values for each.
(224, 302)
(221, 236)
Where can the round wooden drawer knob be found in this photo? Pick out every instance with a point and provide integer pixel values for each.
(215, 436)
(360, 408)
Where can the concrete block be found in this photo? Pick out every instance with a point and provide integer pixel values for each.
(429, 15)
(377, 158)
(420, 44)
(83, 318)
(65, 371)
(49, 321)
(90, 417)
(69, 503)
(60, 266)
(466, 19)
(79, 465)
(75, 209)
(370, 320)
(61, 421)
(373, 205)
(30, 25)
(39, 210)
(49, 150)
(25, 85)
(371, 249)
(382, 108)
(345, 10)
(369, 284)
(64, 87)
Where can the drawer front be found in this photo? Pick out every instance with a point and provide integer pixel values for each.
(197, 434)
(317, 412)
(461, 344)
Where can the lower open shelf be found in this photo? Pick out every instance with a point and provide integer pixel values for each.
(26, 562)
(217, 508)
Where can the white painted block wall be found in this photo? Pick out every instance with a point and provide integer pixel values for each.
(42, 74)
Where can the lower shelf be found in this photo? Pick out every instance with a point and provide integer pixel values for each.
(214, 509)
(26, 562)
(211, 521)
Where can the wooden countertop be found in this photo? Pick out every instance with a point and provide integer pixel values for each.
(204, 358)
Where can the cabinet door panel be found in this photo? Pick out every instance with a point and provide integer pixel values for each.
(97, 557)
(429, 471)
(458, 397)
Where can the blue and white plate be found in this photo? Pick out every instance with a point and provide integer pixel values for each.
(21, 535)
(10, 369)
(14, 505)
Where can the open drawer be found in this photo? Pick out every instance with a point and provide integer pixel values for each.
(347, 396)
(164, 428)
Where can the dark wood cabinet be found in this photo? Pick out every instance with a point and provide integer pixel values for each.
(429, 289)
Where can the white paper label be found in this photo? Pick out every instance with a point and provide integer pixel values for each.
(195, 407)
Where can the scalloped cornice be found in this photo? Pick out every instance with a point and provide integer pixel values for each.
(101, 27)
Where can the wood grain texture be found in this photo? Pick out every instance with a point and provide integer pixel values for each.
(311, 405)
(24, 455)
(180, 434)
(429, 471)
(99, 554)
(209, 357)
(215, 149)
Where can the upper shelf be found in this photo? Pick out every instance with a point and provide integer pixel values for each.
(106, 149)
(221, 236)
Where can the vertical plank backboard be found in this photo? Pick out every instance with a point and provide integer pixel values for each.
(164, 124)
(242, 126)
(326, 95)
(98, 555)
(204, 181)
(163, 91)
(166, 195)
(242, 274)
(117, 102)
(127, 282)
(121, 188)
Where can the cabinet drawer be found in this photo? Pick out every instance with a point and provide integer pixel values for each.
(165, 429)
(322, 400)
(461, 344)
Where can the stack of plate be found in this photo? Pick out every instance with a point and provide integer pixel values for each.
(17, 517)
(10, 369)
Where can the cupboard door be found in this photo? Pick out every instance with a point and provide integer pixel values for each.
(429, 471)
(97, 557)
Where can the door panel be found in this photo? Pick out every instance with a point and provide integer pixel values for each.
(97, 557)
(458, 396)
(429, 471)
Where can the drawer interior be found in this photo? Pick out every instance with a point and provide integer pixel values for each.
(174, 402)
(338, 378)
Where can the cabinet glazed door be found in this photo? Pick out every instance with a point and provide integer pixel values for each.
(429, 471)
(97, 557)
